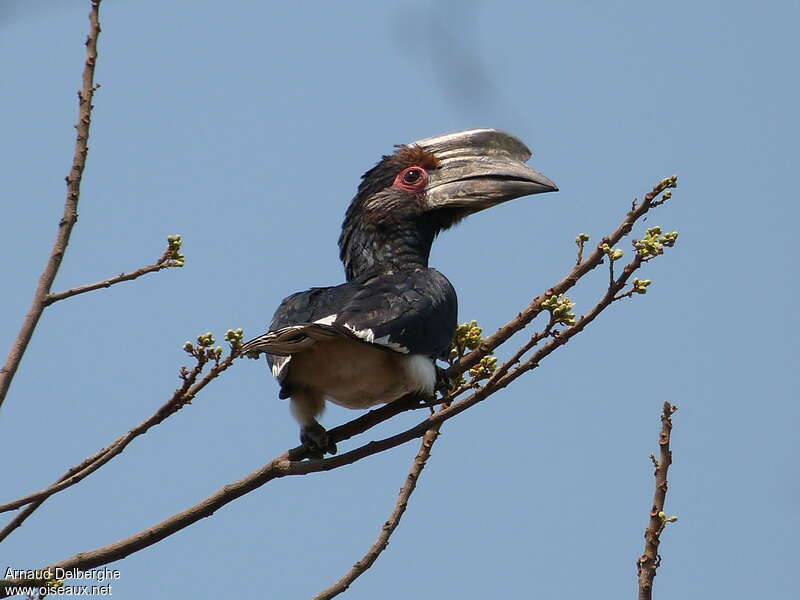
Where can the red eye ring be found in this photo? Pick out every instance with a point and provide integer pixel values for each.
(411, 179)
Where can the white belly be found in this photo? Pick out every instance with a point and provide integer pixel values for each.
(358, 375)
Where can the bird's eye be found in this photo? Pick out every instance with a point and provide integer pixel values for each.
(412, 176)
(411, 179)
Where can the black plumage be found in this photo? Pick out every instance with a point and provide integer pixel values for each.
(376, 337)
(411, 312)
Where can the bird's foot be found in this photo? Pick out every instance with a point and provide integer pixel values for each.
(444, 383)
(316, 439)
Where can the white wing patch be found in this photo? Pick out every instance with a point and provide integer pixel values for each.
(384, 341)
(363, 334)
(279, 364)
(366, 335)
(326, 320)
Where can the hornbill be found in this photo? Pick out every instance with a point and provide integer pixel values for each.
(376, 337)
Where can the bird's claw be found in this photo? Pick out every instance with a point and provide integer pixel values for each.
(316, 439)
(444, 383)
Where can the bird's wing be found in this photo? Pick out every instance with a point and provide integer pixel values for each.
(411, 312)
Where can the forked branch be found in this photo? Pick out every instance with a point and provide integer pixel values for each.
(171, 258)
(183, 395)
(70, 216)
(391, 523)
(292, 463)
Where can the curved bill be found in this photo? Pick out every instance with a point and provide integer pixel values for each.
(480, 168)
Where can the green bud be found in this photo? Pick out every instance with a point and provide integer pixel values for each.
(653, 242)
(663, 516)
(669, 239)
(206, 339)
(653, 231)
(669, 182)
(640, 285)
(560, 309)
(613, 254)
(234, 336)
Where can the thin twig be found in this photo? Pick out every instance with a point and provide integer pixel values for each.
(610, 272)
(70, 216)
(163, 263)
(34, 501)
(184, 395)
(373, 417)
(287, 464)
(581, 242)
(530, 344)
(179, 399)
(533, 310)
(290, 463)
(648, 563)
(628, 294)
(392, 522)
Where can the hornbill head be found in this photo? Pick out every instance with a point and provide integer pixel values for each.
(424, 187)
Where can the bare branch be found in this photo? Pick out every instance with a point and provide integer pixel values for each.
(182, 396)
(36, 500)
(530, 344)
(392, 522)
(70, 216)
(502, 377)
(366, 421)
(51, 298)
(648, 563)
(170, 258)
(291, 463)
(595, 258)
(284, 465)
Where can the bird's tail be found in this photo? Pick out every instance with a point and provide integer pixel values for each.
(290, 340)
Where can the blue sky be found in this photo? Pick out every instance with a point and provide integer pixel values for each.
(245, 129)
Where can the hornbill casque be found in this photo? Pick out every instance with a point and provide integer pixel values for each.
(376, 338)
